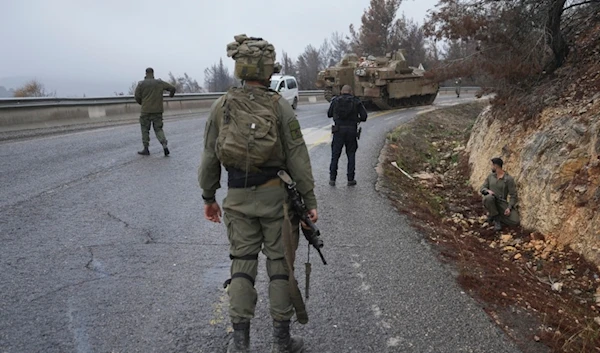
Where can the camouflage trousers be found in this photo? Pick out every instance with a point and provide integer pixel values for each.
(254, 219)
(155, 120)
(497, 207)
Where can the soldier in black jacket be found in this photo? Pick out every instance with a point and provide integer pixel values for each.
(347, 112)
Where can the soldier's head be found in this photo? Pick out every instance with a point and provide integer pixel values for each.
(150, 72)
(254, 59)
(346, 89)
(497, 164)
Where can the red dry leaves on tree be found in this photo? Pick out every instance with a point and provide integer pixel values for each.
(33, 88)
(517, 42)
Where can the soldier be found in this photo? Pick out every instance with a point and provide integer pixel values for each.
(347, 112)
(253, 132)
(149, 94)
(500, 196)
(457, 84)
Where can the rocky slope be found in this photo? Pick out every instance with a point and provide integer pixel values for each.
(554, 157)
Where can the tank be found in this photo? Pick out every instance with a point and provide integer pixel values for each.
(386, 82)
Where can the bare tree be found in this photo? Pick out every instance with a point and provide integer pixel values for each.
(325, 55)
(218, 79)
(513, 45)
(288, 65)
(309, 63)
(340, 46)
(33, 88)
(185, 84)
(132, 87)
(413, 42)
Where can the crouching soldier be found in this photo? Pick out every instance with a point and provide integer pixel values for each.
(500, 197)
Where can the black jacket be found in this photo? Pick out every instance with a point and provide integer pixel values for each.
(359, 114)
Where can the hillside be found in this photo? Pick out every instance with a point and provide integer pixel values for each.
(555, 155)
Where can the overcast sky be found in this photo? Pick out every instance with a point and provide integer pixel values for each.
(115, 40)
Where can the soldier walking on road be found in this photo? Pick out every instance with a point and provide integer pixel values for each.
(149, 94)
(457, 85)
(500, 196)
(347, 112)
(253, 132)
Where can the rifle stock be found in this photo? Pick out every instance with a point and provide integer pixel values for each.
(309, 229)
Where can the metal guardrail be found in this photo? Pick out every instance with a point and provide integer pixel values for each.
(45, 102)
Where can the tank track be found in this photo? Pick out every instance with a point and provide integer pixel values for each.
(385, 103)
(328, 93)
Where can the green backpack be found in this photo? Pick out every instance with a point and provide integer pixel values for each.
(249, 130)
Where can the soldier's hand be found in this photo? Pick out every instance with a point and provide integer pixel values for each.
(313, 216)
(507, 212)
(212, 212)
(491, 192)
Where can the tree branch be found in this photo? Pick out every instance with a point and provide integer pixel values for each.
(581, 3)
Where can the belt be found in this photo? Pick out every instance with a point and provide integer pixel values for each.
(272, 182)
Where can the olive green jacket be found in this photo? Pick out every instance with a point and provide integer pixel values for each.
(149, 93)
(504, 187)
(297, 160)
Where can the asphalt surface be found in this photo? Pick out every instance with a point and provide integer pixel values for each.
(102, 250)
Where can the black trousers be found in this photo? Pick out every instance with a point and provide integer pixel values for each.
(345, 136)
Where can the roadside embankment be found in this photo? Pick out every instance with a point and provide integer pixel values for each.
(543, 294)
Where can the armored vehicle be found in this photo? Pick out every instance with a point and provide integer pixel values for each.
(387, 82)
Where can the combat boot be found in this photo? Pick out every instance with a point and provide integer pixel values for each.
(165, 149)
(145, 151)
(497, 223)
(240, 342)
(282, 341)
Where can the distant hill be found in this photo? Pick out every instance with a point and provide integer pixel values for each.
(67, 87)
(4, 92)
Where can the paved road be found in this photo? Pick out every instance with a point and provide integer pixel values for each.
(102, 250)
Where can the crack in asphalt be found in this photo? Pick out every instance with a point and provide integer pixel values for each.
(96, 266)
(147, 233)
(69, 184)
(117, 219)
(77, 284)
(150, 239)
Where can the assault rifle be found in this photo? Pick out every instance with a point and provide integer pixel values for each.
(312, 233)
(485, 193)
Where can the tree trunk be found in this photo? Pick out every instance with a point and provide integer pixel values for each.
(556, 40)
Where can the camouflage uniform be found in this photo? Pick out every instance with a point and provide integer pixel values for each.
(254, 216)
(505, 189)
(149, 94)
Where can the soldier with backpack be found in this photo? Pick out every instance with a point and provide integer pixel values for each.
(253, 132)
(347, 112)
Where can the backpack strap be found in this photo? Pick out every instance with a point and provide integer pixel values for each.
(275, 99)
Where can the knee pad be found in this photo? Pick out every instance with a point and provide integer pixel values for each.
(241, 274)
(277, 269)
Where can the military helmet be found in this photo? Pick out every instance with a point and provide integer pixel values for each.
(254, 58)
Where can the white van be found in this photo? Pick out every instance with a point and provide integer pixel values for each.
(287, 87)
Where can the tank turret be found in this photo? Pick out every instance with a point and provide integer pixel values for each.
(388, 82)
